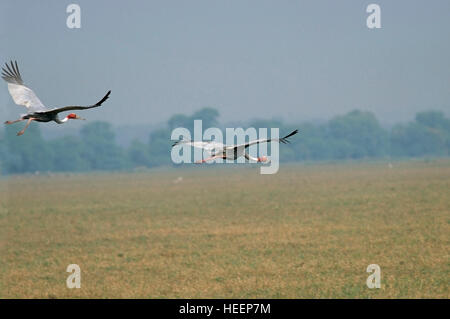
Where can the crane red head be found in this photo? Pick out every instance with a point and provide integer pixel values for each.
(73, 116)
(263, 159)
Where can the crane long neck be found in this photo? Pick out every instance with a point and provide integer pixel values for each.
(252, 158)
(64, 120)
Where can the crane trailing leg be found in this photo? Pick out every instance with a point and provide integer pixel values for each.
(12, 122)
(209, 159)
(23, 131)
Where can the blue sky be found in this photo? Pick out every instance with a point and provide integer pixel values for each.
(295, 60)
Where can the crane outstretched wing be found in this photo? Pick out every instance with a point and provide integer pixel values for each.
(77, 107)
(21, 94)
(283, 140)
(209, 146)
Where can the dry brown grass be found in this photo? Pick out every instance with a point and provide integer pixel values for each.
(306, 232)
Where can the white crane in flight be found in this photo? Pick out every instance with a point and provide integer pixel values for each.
(232, 152)
(36, 111)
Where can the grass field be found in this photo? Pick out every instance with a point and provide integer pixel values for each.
(309, 231)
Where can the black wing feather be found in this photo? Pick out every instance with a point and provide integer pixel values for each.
(283, 140)
(75, 107)
(12, 74)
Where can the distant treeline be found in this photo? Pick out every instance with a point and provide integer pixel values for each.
(355, 135)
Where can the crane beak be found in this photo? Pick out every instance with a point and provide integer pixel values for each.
(80, 118)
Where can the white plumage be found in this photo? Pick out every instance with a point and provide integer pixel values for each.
(219, 150)
(25, 96)
(36, 110)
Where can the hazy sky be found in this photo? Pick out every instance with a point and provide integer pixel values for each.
(296, 60)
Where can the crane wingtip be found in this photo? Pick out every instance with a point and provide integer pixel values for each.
(103, 99)
(285, 140)
(292, 133)
(176, 143)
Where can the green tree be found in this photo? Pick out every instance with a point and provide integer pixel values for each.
(68, 155)
(208, 116)
(160, 147)
(415, 139)
(138, 154)
(100, 149)
(434, 119)
(26, 153)
(179, 120)
(357, 134)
